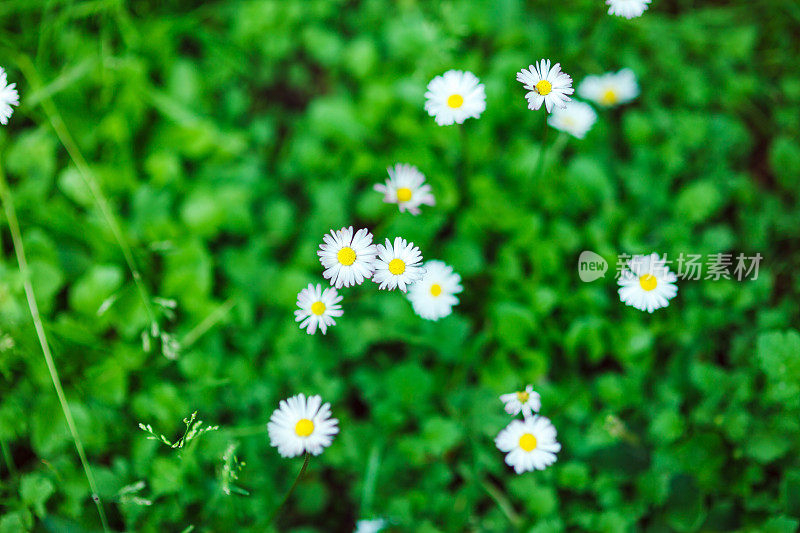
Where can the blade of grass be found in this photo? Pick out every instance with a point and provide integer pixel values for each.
(370, 481)
(12, 468)
(207, 323)
(31, 74)
(19, 250)
(64, 80)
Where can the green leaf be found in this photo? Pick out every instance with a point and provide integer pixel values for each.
(35, 489)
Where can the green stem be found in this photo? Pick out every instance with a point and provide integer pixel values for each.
(16, 237)
(494, 493)
(291, 490)
(207, 323)
(29, 70)
(502, 502)
(461, 169)
(12, 468)
(542, 150)
(370, 480)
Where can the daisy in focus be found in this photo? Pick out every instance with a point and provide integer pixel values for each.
(8, 97)
(529, 444)
(348, 259)
(434, 296)
(398, 265)
(301, 425)
(627, 8)
(647, 283)
(406, 187)
(547, 85)
(577, 118)
(454, 97)
(610, 89)
(528, 401)
(317, 308)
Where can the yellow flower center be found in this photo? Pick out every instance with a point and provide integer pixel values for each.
(523, 396)
(609, 97)
(455, 101)
(318, 308)
(436, 289)
(544, 87)
(648, 282)
(397, 266)
(403, 194)
(346, 256)
(527, 442)
(305, 427)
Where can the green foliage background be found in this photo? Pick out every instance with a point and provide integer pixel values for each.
(230, 136)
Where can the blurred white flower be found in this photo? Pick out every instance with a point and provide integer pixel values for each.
(610, 89)
(529, 445)
(577, 118)
(397, 265)
(406, 187)
(627, 8)
(548, 85)
(348, 259)
(528, 401)
(301, 426)
(317, 308)
(434, 296)
(647, 283)
(8, 97)
(455, 96)
(370, 526)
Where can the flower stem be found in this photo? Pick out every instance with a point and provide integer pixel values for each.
(291, 490)
(502, 502)
(16, 237)
(505, 506)
(461, 171)
(542, 150)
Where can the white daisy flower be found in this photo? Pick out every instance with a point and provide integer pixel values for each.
(627, 8)
(398, 265)
(610, 89)
(577, 118)
(455, 96)
(529, 444)
(301, 426)
(370, 526)
(406, 187)
(348, 259)
(548, 85)
(8, 97)
(528, 401)
(317, 308)
(434, 296)
(647, 283)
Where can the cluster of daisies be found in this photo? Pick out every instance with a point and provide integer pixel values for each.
(349, 258)
(456, 96)
(529, 444)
